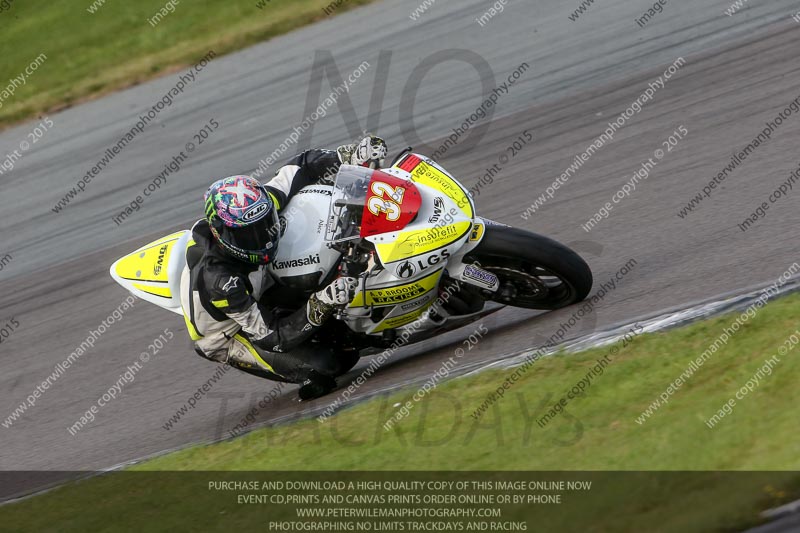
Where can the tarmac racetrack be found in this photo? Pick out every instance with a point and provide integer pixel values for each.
(738, 73)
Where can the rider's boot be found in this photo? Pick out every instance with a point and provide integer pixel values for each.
(316, 385)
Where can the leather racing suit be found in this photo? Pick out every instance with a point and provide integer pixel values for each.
(226, 301)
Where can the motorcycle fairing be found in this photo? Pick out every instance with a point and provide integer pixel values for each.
(477, 232)
(395, 293)
(397, 246)
(153, 272)
(452, 217)
(400, 316)
(405, 302)
(391, 204)
(302, 254)
(426, 172)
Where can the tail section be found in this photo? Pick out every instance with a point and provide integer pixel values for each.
(153, 272)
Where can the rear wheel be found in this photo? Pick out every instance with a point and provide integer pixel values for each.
(535, 272)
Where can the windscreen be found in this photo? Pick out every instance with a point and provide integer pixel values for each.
(369, 202)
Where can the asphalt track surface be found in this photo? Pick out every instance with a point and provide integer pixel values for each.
(740, 71)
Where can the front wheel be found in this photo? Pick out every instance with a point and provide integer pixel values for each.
(535, 272)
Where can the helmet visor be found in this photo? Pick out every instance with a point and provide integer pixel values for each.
(259, 236)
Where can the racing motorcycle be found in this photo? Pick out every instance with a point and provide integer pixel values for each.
(426, 262)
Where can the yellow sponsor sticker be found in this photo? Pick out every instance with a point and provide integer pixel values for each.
(411, 243)
(477, 232)
(397, 294)
(149, 263)
(433, 177)
(418, 308)
(398, 321)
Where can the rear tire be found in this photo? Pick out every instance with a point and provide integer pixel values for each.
(535, 272)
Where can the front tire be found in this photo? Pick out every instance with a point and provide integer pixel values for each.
(535, 272)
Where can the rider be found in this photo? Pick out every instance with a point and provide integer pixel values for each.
(225, 286)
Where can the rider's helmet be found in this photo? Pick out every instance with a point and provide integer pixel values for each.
(243, 218)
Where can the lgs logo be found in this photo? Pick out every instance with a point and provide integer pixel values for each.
(410, 267)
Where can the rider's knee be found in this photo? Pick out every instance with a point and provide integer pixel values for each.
(218, 356)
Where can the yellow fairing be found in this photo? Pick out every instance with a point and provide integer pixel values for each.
(161, 290)
(397, 294)
(402, 320)
(477, 232)
(432, 177)
(149, 263)
(422, 241)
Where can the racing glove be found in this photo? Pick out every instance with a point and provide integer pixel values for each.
(370, 150)
(322, 304)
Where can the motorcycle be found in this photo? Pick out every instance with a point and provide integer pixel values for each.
(425, 261)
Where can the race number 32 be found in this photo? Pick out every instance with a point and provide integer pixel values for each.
(385, 199)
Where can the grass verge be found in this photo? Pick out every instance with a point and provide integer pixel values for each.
(597, 431)
(91, 54)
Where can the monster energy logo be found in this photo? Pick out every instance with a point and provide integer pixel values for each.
(210, 210)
